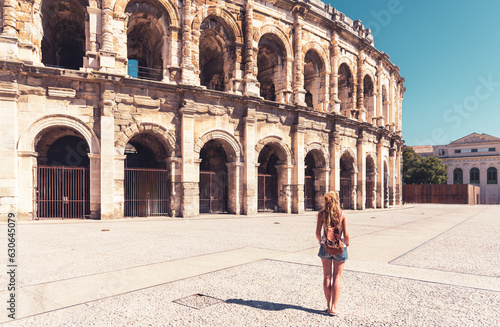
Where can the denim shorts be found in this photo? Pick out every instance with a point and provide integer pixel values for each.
(323, 255)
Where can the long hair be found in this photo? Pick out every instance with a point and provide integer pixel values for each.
(331, 211)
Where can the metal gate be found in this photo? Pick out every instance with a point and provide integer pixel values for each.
(146, 192)
(267, 193)
(62, 192)
(345, 192)
(369, 194)
(213, 192)
(309, 193)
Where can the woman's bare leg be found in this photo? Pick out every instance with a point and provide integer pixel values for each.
(327, 282)
(338, 268)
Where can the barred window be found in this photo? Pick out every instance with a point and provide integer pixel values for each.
(458, 176)
(474, 176)
(492, 176)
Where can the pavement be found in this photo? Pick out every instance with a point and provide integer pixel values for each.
(418, 265)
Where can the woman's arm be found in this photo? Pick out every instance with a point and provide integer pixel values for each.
(319, 224)
(346, 231)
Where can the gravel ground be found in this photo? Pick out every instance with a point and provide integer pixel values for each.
(273, 293)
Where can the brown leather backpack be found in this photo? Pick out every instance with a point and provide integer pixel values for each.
(333, 243)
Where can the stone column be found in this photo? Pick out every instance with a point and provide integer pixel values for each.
(250, 171)
(174, 168)
(299, 167)
(284, 187)
(190, 169)
(392, 176)
(108, 153)
(361, 178)
(188, 75)
(93, 37)
(361, 88)
(233, 170)
(391, 95)
(119, 195)
(298, 74)
(380, 182)
(334, 77)
(107, 54)
(251, 84)
(380, 79)
(25, 189)
(9, 174)
(95, 185)
(334, 148)
(9, 18)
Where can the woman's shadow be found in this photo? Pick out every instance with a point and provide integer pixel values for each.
(271, 306)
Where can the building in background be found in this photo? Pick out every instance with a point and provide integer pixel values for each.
(176, 108)
(473, 159)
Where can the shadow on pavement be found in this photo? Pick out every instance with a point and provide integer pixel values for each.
(271, 306)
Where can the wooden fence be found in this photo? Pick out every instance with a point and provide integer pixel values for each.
(441, 193)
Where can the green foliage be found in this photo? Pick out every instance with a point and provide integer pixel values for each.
(418, 170)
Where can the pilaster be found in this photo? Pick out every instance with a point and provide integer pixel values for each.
(361, 178)
(250, 172)
(107, 138)
(299, 167)
(190, 169)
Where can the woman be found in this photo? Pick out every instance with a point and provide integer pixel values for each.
(333, 265)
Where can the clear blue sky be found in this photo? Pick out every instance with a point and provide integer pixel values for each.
(449, 54)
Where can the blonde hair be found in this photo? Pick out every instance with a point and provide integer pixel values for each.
(331, 211)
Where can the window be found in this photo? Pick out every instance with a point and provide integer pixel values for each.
(491, 149)
(473, 150)
(474, 176)
(492, 176)
(458, 176)
(458, 151)
(442, 152)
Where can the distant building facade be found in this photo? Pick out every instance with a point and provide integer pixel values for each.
(473, 159)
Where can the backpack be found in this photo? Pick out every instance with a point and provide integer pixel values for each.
(333, 243)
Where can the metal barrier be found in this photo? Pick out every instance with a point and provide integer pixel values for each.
(62, 192)
(147, 192)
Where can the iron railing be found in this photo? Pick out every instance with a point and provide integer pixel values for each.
(146, 192)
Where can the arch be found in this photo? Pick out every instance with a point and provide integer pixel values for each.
(224, 17)
(351, 153)
(285, 152)
(278, 34)
(474, 176)
(169, 7)
(492, 175)
(230, 144)
(314, 45)
(27, 139)
(347, 61)
(163, 134)
(321, 156)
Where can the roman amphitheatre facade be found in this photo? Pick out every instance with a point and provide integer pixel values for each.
(120, 108)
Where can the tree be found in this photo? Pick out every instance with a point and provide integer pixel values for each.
(418, 170)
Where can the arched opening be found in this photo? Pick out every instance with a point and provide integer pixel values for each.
(474, 176)
(63, 42)
(62, 174)
(309, 189)
(458, 176)
(314, 78)
(370, 183)
(271, 61)
(146, 40)
(214, 55)
(146, 180)
(347, 181)
(369, 98)
(272, 179)
(345, 90)
(213, 178)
